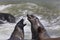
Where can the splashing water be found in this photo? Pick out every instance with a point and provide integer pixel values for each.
(7, 28)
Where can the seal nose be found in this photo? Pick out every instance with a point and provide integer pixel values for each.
(29, 16)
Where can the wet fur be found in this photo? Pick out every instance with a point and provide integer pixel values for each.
(43, 37)
(38, 30)
(42, 34)
(35, 23)
(18, 33)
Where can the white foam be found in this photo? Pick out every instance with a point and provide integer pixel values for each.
(7, 28)
(2, 7)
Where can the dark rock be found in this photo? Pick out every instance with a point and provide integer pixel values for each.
(1, 22)
(8, 17)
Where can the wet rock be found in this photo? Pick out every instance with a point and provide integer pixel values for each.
(8, 17)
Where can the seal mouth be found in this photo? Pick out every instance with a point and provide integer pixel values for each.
(30, 16)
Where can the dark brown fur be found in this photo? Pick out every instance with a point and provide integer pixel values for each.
(43, 37)
(35, 23)
(38, 30)
(18, 33)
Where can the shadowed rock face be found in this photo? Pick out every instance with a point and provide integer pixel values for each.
(35, 24)
(8, 17)
(18, 33)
